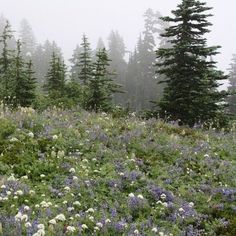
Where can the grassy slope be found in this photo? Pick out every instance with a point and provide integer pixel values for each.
(139, 177)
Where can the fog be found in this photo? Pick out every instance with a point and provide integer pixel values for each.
(66, 21)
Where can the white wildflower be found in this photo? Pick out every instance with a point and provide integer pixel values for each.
(131, 195)
(84, 226)
(90, 210)
(72, 170)
(191, 204)
(181, 209)
(163, 196)
(54, 137)
(154, 230)
(99, 224)
(107, 221)
(24, 177)
(19, 192)
(26, 208)
(140, 196)
(60, 217)
(13, 139)
(11, 178)
(70, 229)
(40, 232)
(96, 228)
(31, 135)
(21, 217)
(77, 203)
(75, 178)
(70, 209)
(52, 222)
(28, 225)
(67, 188)
(60, 154)
(136, 231)
(165, 204)
(53, 154)
(40, 226)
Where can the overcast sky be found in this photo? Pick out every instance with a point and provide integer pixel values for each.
(66, 20)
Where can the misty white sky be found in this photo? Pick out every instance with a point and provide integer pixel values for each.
(66, 20)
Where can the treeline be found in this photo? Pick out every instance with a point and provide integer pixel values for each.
(133, 71)
(171, 71)
(18, 84)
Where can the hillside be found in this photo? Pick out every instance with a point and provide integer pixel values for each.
(78, 173)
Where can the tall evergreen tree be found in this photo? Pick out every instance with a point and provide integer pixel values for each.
(28, 39)
(145, 88)
(191, 94)
(116, 52)
(100, 44)
(101, 86)
(85, 62)
(55, 78)
(6, 65)
(24, 89)
(74, 60)
(41, 60)
(132, 80)
(232, 87)
(30, 85)
(11, 42)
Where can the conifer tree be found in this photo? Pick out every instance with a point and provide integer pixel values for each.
(24, 89)
(41, 59)
(232, 87)
(191, 93)
(6, 65)
(101, 86)
(28, 39)
(118, 65)
(30, 86)
(75, 69)
(85, 61)
(132, 80)
(56, 76)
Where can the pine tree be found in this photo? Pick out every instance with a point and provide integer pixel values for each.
(75, 69)
(145, 87)
(6, 65)
(30, 85)
(100, 44)
(116, 52)
(41, 60)
(11, 42)
(55, 78)
(132, 80)
(85, 62)
(191, 93)
(28, 39)
(101, 86)
(24, 89)
(232, 87)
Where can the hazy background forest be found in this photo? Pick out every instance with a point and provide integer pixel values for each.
(130, 49)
